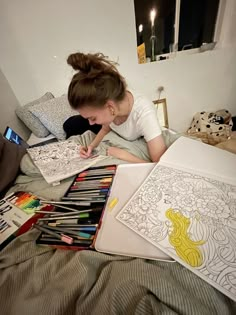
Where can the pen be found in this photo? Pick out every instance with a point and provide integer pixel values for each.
(93, 178)
(64, 203)
(70, 231)
(62, 237)
(51, 212)
(87, 191)
(82, 226)
(86, 221)
(58, 214)
(54, 241)
(78, 216)
(85, 229)
(97, 200)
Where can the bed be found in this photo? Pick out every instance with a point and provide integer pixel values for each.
(41, 280)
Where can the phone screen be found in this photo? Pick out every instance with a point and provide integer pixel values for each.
(10, 135)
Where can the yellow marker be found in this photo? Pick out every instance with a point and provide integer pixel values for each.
(112, 203)
(179, 238)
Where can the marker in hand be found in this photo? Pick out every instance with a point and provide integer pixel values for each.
(86, 152)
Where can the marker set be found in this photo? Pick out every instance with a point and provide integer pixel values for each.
(75, 220)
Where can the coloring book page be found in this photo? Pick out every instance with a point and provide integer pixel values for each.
(59, 160)
(190, 217)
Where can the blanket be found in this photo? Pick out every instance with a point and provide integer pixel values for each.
(39, 280)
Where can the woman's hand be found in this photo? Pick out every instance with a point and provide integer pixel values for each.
(86, 152)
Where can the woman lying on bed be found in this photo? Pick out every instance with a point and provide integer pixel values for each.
(100, 95)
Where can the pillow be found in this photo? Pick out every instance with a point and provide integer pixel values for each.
(10, 158)
(53, 114)
(32, 122)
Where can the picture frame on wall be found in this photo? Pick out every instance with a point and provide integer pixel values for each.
(161, 107)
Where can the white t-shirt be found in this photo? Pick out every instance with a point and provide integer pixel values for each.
(141, 122)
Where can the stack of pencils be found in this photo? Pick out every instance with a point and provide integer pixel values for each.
(75, 220)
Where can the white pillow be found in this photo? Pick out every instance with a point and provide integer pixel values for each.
(53, 114)
(32, 122)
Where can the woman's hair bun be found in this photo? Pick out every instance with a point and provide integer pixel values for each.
(89, 62)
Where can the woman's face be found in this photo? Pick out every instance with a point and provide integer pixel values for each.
(99, 116)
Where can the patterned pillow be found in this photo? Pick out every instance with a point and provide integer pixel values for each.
(53, 114)
(32, 122)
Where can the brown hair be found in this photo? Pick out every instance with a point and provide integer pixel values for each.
(96, 81)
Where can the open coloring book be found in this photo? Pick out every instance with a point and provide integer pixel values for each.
(59, 160)
(187, 208)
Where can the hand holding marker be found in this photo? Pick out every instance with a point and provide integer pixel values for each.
(86, 152)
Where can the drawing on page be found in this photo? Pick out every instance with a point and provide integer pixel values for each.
(60, 160)
(179, 238)
(192, 218)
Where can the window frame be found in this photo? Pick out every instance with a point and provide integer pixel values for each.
(217, 30)
(216, 37)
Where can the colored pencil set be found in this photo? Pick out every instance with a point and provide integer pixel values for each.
(76, 217)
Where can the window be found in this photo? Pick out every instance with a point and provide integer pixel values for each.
(164, 26)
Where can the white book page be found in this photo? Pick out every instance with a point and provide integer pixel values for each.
(200, 158)
(189, 216)
(192, 219)
(59, 160)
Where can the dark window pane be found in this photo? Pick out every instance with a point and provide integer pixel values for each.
(197, 22)
(163, 26)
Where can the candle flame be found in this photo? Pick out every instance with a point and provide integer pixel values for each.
(152, 16)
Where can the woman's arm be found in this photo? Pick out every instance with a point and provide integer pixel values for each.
(156, 147)
(104, 131)
(124, 155)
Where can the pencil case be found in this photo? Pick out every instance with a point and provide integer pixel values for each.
(76, 219)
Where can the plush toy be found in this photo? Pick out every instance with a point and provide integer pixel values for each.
(212, 127)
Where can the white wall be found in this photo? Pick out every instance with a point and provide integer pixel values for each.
(8, 104)
(37, 36)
